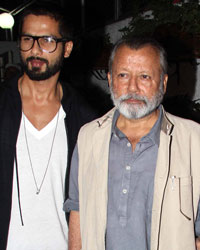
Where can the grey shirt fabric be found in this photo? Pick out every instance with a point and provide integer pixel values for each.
(197, 222)
(72, 203)
(130, 189)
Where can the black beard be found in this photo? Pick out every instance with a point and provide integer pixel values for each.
(51, 70)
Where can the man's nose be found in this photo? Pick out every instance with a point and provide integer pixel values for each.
(133, 84)
(36, 48)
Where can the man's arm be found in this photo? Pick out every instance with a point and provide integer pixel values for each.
(74, 231)
(198, 243)
(197, 228)
(72, 205)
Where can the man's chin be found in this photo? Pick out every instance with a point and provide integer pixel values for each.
(133, 107)
(37, 76)
(136, 113)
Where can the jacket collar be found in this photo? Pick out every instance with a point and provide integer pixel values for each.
(166, 126)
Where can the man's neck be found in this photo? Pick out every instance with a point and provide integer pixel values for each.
(135, 129)
(40, 99)
(40, 91)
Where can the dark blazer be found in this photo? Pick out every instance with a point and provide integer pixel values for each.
(77, 114)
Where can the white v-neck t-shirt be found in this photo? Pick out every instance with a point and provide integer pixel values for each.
(45, 226)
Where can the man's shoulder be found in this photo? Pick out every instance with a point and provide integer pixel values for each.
(182, 123)
(73, 96)
(100, 122)
(76, 103)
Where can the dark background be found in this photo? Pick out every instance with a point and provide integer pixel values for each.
(91, 51)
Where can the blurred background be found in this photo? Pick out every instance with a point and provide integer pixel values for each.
(98, 24)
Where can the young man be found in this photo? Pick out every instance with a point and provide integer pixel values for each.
(135, 172)
(40, 119)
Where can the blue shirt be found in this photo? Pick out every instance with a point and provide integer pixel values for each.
(130, 189)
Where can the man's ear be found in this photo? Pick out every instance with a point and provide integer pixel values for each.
(109, 79)
(68, 48)
(165, 82)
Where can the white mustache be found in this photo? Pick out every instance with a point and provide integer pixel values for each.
(133, 96)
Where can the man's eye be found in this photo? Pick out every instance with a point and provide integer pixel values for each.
(27, 38)
(146, 77)
(48, 40)
(122, 75)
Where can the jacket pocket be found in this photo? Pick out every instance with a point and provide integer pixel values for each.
(185, 197)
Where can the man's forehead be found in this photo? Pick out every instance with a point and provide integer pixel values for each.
(145, 55)
(128, 55)
(146, 47)
(41, 18)
(42, 24)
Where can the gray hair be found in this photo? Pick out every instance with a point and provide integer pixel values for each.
(139, 43)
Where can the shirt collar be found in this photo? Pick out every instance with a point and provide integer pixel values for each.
(154, 133)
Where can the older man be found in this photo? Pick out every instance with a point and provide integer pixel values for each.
(135, 179)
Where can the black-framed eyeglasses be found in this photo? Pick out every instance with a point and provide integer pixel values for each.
(46, 43)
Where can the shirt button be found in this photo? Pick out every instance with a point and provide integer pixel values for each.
(124, 191)
(128, 167)
(128, 144)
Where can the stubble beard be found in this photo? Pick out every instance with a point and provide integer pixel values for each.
(140, 110)
(35, 73)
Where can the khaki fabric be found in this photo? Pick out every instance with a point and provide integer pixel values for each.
(176, 188)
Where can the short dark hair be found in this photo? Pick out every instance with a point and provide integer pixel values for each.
(139, 43)
(51, 10)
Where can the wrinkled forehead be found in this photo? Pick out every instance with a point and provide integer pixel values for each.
(146, 55)
(148, 49)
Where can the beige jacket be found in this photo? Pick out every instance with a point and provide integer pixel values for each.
(176, 188)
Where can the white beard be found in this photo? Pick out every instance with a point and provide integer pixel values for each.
(137, 111)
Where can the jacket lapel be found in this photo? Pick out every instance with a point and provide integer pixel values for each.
(101, 142)
(160, 180)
